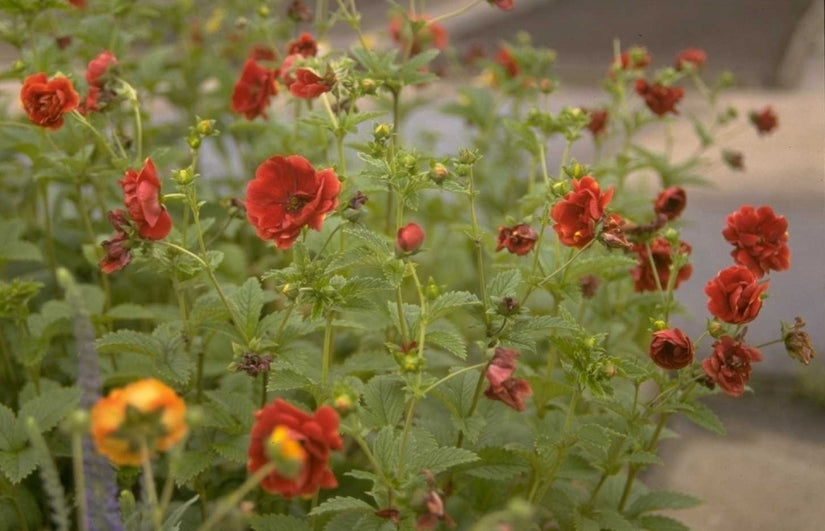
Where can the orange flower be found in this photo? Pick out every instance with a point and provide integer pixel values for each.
(47, 100)
(146, 411)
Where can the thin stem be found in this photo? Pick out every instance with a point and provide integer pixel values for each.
(82, 119)
(455, 13)
(80, 481)
(327, 355)
(769, 343)
(234, 498)
(87, 224)
(149, 486)
(479, 251)
(453, 375)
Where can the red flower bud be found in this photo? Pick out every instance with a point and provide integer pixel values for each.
(409, 238)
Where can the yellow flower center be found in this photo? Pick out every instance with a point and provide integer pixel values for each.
(286, 451)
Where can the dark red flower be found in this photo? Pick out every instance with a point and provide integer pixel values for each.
(117, 250)
(691, 56)
(671, 349)
(577, 214)
(299, 443)
(644, 278)
(598, 121)
(78, 3)
(409, 238)
(298, 11)
(735, 295)
(798, 343)
(508, 62)
(659, 98)
(304, 46)
(734, 159)
(141, 195)
(63, 42)
(671, 202)
(765, 120)
(46, 101)
(613, 232)
(760, 239)
(504, 5)
(503, 387)
(99, 67)
(416, 33)
(729, 366)
(254, 88)
(518, 240)
(286, 195)
(309, 85)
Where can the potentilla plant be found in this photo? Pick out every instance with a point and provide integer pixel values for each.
(237, 293)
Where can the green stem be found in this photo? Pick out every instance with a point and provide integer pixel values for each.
(541, 485)
(234, 498)
(79, 480)
(456, 13)
(83, 207)
(453, 375)
(82, 119)
(479, 251)
(327, 355)
(47, 227)
(149, 486)
(769, 343)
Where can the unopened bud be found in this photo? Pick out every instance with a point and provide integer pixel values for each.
(183, 177)
(659, 324)
(439, 172)
(368, 86)
(382, 131)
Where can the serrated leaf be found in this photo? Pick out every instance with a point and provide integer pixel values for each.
(129, 341)
(286, 380)
(246, 304)
(341, 503)
(189, 464)
(234, 449)
(449, 340)
(346, 521)
(50, 408)
(14, 249)
(505, 284)
(385, 449)
(440, 459)
(11, 436)
(278, 522)
(657, 522)
(613, 521)
(17, 465)
(449, 301)
(656, 501)
(702, 416)
(644, 458)
(498, 464)
(384, 401)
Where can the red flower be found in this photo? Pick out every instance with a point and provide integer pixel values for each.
(304, 45)
(671, 202)
(118, 255)
(765, 120)
(760, 239)
(141, 195)
(636, 58)
(504, 5)
(309, 85)
(299, 443)
(409, 238)
(735, 295)
(78, 3)
(598, 121)
(729, 366)
(508, 62)
(659, 98)
(518, 240)
(671, 349)
(286, 195)
(416, 33)
(576, 215)
(46, 101)
(503, 387)
(691, 56)
(255, 87)
(99, 67)
(286, 71)
(660, 249)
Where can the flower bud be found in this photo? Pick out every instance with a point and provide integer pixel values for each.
(659, 324)
(206, 127)
(439, 172)
(183, 177)
(382, 131)
(409, 238)
(432, 291)
(263, 11)
(467, 156)
(369, 86)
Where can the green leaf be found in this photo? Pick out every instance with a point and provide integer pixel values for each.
(657, 522)
(702, 416)
(234, 449)
(17, 465)
(50, 408)
(14, 249)
(449, 340)
(613, 520)
(189, 464)
(341, 503)
(440, 459)
(246, 304)
(656, 501)
(278, 522)
(129, 341)
(385, 449)
(384, 401)
(498, 464)
(449, 301)
(11, 436)
(173, 521)
(505, 284)
(129, 311)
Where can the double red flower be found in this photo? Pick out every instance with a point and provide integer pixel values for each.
(97, 74)
(644, 278)
(735, 295)
(765, 120)
(671, 349)
(256, 85)
(578, 212)
(659, 98)
(141, 195)
(729, 366)
(302, 440)
(518, 240)
(671, 202)
(286, 195)
(760, 239)
(696, 57)
(503, 387)
(598, 121)
(46, 101)
(308, 85)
